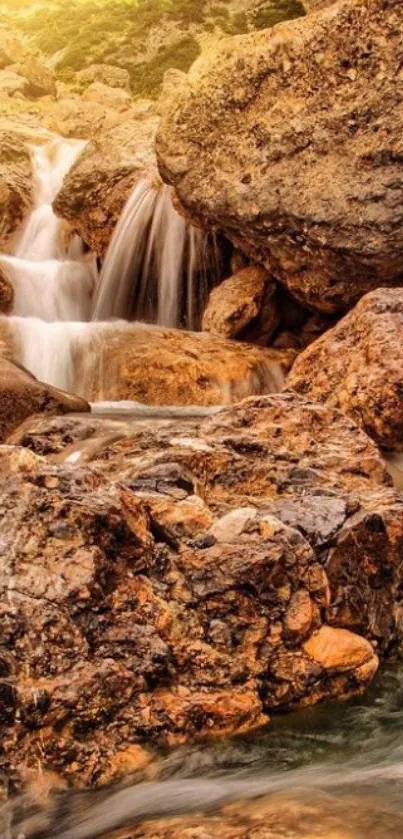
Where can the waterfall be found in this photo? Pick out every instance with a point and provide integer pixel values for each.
(86, 334)
(158, 268)
(52, 278)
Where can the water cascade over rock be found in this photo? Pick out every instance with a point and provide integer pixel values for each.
(74, 330)
(158, 266)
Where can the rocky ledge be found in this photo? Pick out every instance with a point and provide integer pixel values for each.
(187, 581)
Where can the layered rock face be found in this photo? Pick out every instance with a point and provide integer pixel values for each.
(96, 190)
(190, 580)
(290, 143)
(15, 182)
(358, 367)
(21, 395)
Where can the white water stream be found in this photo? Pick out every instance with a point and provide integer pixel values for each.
(157, 270)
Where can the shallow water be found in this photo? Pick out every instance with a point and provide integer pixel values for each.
(333, 759)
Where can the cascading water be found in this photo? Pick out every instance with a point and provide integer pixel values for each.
(157, 270)
(157, 267)
(51, 277)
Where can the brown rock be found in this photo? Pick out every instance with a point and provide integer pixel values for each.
(15, 182)
(6, 294)
(22, 395)
(358, 367)
(41, 80)
(289, 143)
(124, 626)
(183, 368)
(340, 650)
(243, 305)
(96, 189)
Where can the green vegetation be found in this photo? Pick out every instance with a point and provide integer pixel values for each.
(147, 37)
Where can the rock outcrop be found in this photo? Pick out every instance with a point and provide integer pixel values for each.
(21, 395)
(16, 182)
(244, 306)
(96, 190)
(290, 143)
(358, 367)
(190, 580)
(6, 294)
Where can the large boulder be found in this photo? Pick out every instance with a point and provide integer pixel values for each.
(358, 367)
(96, 189)
(290, 142)
(21, 395)
(193, 578)
(16, 182)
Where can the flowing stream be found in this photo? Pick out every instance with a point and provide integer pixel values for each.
(329, 772)
(326, 773)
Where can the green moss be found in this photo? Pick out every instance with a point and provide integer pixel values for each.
(276, 12)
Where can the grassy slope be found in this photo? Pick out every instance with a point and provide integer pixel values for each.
(146, 36)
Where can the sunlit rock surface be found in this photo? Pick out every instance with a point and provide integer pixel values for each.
(289, 141)
(358, 367)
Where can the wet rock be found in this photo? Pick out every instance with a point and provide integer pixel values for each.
(6, 294)
(16, 183)
(22, 395)
(194, 577)
(184, 368)
(96, 189)
(106, 74)
(357, 366)
(244, 306)
(289, 142)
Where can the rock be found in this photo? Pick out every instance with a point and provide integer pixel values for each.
(358, 367)
(16, 182)
(22, 395)
(123, 625)
(96, 190)
(289, 143)
(6, 294)
(72, 116)
(109, 97)
(184, 368)
(41, 79)
(338, 649)
(105, 74)
(244, 306)
(11, 83)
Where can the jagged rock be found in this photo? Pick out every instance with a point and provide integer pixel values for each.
(95, 191)
(6, 294)
(358, 367)
(106, 74)
(109, 97)
(124, 624)
(22, 395)
(290, 143)
(16, 182)
(244, 306)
